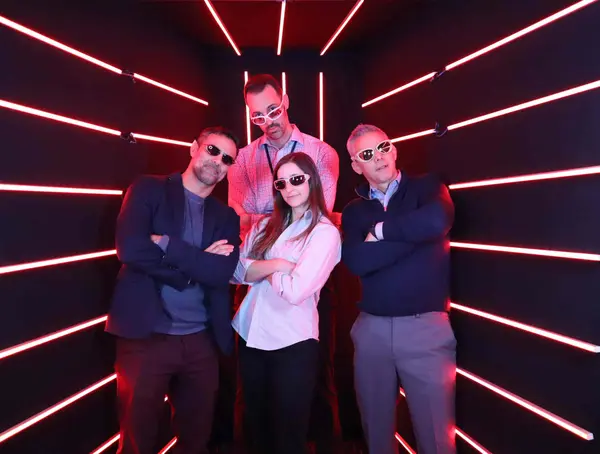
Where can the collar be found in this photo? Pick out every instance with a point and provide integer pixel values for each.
(364, 190)
(296, 136)
(397, 180)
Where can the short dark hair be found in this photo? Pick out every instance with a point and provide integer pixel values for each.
(219, 131)
(259, 82)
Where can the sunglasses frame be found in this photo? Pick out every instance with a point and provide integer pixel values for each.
(287, 181)
(268, 117)
(357, 157)
(224, 155)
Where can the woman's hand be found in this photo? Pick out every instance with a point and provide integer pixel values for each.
(285, 266)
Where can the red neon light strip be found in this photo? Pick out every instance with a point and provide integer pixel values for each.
(399, 89)
(60, 118)
(461, 434)
(525, 178)
(50, 337)
(57, 190)
(75, 258)
(33, 34)
(528, 251)
(487, 49)
(54, 409)
(471, 442)
(499, 113)
(530, 329)
(167, 88)
(169, 446)
(527, 105)
(107, 444)
(342, 26)
(219, 22)
(321, 108)
(281, 22)
(248, 127)
(586, 435)
(521, 33)
(284, 83)
(83, 124)
(404, 444)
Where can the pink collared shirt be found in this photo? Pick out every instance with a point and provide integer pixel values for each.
(277, 315)
(251, 180)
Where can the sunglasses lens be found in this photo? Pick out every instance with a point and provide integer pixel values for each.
(275, 113)
(212, 150)
(280, 185)
(385, 147)
(227, 160)
(297, 180)
(366, 155)
(259, 121)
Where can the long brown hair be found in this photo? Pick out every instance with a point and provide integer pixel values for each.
(281, 217)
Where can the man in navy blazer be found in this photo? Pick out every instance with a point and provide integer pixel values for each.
(171, 308)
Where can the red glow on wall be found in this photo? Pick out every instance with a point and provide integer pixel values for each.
(281, 23)
(526, 178)
(221, 25)
(50, 337)
(57, 189)
(582, 433)
(342, 26)
(54, 409)
(528, 328)
(528, 251)
(70, 50)
(487, 49)
(53, 262)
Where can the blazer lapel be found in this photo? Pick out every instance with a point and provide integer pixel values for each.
(176, 200)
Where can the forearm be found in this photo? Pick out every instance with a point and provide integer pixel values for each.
(368, 257)
(260, 269)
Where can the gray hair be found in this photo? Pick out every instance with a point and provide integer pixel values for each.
(359, 131)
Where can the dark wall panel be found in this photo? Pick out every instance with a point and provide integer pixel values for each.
(555, 294)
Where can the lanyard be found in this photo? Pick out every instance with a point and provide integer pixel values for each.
(266, 147)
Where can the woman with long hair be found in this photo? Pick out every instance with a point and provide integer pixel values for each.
(286, 260)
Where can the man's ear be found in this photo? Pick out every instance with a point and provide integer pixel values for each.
(194, 148)
(356, 168)
(286, 101)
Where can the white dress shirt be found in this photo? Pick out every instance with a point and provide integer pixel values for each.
(275, 316)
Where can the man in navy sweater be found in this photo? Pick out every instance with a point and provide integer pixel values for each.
(171, 306)
(395, 240)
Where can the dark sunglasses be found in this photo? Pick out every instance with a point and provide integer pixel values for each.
(213, 150)
(368, 154)
(295, 180)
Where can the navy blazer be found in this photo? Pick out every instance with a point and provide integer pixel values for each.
(155, 205)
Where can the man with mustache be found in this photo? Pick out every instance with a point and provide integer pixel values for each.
(251, 195)
(171, 307)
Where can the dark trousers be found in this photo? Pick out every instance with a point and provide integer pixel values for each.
(278, 388)
(183, 367)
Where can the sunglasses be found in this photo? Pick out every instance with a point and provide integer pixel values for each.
(213, 150)
(273, 115)
(295, 180)
(368, 154)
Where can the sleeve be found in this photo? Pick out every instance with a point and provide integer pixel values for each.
(134, 227)
(204, 267)
(320, 255)
(430, 221)
(239, 276)
(363, 258)
(329, 171)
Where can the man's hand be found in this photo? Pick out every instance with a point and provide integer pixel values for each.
(220, 247)
(370, 238)
(155, 238)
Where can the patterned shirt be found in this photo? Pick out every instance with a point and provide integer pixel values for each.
(251, 180)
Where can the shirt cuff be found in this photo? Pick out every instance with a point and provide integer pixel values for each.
(379, 230)
(163, 243)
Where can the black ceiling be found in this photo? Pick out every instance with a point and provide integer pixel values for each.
(255, 23)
